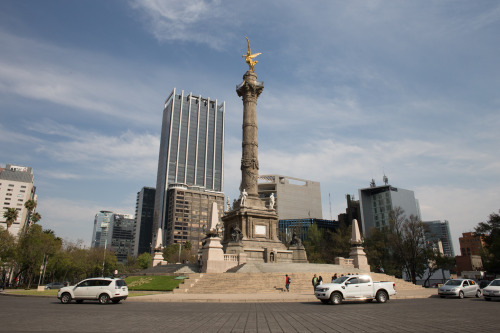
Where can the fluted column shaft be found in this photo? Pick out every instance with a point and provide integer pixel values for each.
(250, 91)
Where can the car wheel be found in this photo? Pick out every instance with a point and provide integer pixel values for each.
(382, 296)
(79, 301)
(336, 298)
(478, 294)
(65, 298)
(461, 295)
(116, 301)
(487, 299)
(103, 298)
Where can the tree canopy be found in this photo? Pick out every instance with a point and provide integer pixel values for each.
(490, 233)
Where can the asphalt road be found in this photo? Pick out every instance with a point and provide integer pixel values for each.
(35, 314)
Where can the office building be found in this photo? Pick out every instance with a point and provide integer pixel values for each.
(352, 212)
(295, 198)
(102, 224)
(470, 253)
(439, 232)
(301, 226)
(122, 236)
(191, 149)
(144, 209)
(16, 187)
(116, 232)
(189, 211)
(377, 202)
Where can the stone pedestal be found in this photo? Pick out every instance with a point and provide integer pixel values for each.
(357, 253)
(298, 254)
(213, 256)
(158, 259)
(358, 256)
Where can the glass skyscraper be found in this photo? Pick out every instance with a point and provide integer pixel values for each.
(191, 148)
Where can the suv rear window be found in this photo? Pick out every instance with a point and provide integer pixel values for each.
(121, 283)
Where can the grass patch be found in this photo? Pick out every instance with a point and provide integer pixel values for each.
(152, 283)
(32, 292)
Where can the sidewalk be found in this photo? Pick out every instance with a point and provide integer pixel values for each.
(260, 298)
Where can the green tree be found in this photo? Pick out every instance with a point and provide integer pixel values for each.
(171, 253)
(314, 243)
(8, 247)
(36, 217)
(407, 239)
(338, 243)
(144, 260)
(32, 248)
(490, 233)
(30, 206)
(10, 216)
(379, 253)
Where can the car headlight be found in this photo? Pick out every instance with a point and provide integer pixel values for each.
(321, 289)
(454, 289)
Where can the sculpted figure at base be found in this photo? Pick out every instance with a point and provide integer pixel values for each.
(271, 201)
(236, 234)
(243, 198)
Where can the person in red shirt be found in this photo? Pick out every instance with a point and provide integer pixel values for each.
(287, 282)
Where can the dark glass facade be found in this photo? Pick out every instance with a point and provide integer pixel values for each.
(144, 220)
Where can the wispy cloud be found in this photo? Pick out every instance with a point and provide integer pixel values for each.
(121, 156)
(81, 81)
(171, 20)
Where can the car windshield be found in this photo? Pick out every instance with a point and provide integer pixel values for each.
(495, 283)
(454, 283)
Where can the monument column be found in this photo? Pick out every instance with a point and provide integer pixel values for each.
(250, 90)
(250, 227)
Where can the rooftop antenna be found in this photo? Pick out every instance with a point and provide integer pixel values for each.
(386, 180)
(372, 183)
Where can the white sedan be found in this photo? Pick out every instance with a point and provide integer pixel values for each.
(459, 288)
(492, 290)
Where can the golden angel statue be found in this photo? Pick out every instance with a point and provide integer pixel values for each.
(249, 57)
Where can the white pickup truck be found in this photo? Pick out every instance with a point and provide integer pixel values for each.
(355, 287)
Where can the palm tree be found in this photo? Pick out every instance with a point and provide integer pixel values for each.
(36, 217)
(30, 205)
(10, 216)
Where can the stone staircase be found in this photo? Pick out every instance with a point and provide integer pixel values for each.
(171, 269)
(270, 282)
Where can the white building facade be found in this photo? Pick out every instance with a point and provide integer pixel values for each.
(16, 187)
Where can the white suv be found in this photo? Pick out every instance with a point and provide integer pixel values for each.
(102, 289)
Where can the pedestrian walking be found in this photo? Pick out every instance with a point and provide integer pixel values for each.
(287, 283)
(320, 281)
(334, 277)
(314, 281)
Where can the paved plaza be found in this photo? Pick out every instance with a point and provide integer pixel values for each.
(38, 314)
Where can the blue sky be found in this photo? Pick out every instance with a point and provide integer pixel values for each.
(353, 90)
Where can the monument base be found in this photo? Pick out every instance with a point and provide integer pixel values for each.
(158, 259)
(213, 258)
(299, 254)
(358, 256)
(253, 231)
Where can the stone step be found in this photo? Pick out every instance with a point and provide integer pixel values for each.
(264, 283)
